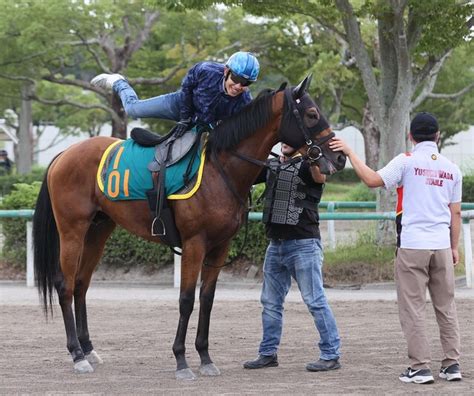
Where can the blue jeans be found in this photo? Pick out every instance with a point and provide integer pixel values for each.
(164, 106)
(302, 260)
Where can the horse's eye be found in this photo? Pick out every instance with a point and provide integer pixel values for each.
(313, 114)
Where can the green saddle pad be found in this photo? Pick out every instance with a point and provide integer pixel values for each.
(127, 176)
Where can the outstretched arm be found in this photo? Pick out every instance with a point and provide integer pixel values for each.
(455, 230)
(370, 177)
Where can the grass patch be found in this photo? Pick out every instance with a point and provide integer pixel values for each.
(360, 262)
(363, 261)
(338, 191)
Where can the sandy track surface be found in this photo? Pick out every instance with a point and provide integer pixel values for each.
(133, 330)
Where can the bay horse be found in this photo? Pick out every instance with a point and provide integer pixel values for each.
(73, 218)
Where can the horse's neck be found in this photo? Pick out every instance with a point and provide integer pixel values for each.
(258, 146)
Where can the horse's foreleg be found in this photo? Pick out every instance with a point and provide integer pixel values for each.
(210, 272)
(65, 285)
(94, 244)
(191, 261)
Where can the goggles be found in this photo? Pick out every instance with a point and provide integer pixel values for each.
(240, 80)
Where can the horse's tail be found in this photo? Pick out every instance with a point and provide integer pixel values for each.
(46, 245)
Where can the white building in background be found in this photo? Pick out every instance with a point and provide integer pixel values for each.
(461, 153)
(45, 155)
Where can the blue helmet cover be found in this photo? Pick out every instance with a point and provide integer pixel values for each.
(244, 64)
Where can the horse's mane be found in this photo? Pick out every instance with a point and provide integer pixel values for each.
(234, 129)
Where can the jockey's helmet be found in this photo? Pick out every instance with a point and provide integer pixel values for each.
(244, 64)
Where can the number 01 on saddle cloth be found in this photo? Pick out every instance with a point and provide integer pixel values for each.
(123, 172)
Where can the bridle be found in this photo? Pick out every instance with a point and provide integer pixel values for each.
(313, 153)
(295, 109)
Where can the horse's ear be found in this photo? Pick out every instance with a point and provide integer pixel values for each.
(282, 87)
(302, 87)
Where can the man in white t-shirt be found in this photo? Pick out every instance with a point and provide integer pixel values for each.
(429, 187)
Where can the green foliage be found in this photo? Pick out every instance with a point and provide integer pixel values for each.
(8, 181)
(122, 249)
(447, 16)
(337, 191)
(362, 193)
(255, 246)
(23, 196)
(347, 175)
(468, 188)
(126, 250)
(67, 119)
(359, 262)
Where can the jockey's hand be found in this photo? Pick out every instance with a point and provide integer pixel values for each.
(181, 127)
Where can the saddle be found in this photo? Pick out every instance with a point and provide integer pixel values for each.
(168, 151)
(168, 148)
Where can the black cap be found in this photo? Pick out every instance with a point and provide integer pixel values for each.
(424, 123)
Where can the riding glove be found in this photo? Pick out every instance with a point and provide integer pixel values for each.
(181, 127)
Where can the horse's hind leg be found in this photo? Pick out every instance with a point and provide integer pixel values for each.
(71, 242)
(210, 272)
(94, 243)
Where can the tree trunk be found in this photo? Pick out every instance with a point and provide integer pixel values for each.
(119, 128)
(25, 131)
(393, 143)
(371, 135)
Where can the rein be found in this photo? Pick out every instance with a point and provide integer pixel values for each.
(310, 155)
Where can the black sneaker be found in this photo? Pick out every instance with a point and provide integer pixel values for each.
(451, 373)
(262, 361)
(323, 365)
(420, 376)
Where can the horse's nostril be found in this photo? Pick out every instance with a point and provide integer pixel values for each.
(342, 159)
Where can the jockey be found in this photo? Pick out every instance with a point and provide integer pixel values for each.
(209, 92)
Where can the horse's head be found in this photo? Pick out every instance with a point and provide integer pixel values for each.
(303, 127)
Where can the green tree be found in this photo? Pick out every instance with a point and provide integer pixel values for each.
(453, 99)
(398, 47)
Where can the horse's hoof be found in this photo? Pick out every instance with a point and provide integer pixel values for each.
(83, 367)
(185, 374)
(94, 358)
(209, 370)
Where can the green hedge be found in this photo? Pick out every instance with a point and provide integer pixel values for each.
(126, 250)
(361, 193)
(23, 196)
(122, 248)
(468, 188)
(8, 181)
(347, 175)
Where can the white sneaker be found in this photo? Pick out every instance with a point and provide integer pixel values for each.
(420, 376)
(451, 373)
(106, 81)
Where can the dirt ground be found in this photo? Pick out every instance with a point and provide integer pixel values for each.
(134, 338)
